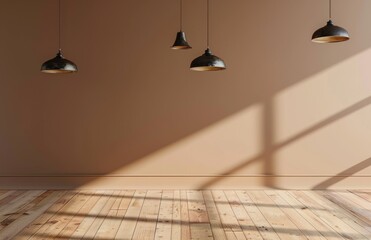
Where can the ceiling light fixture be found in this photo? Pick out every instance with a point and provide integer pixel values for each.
(180, 40)
(59, 64)
(208, 61)
(330, 33)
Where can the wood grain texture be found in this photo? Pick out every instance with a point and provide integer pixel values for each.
(185, 214)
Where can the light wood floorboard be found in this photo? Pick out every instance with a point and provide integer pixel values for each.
(185, 214)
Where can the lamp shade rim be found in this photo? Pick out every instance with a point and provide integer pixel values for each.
(62, 71)
(180, 47)
(208, 62)
(330, 34)
(330, 39)
(207, 68)
(58, 64)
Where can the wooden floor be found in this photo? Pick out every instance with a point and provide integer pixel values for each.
(185, 214)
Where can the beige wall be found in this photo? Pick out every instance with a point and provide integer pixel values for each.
(286, 114)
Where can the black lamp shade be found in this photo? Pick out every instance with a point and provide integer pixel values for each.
(208, 62)
(181, 42)
(59, 65)
(330, 34)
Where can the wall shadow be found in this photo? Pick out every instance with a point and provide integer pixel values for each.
(268, 153)
(344, 174)
(132, 98)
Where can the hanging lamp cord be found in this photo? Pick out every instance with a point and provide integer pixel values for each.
(181, 15)
(59, 24)
(207, 23)
(330, 6)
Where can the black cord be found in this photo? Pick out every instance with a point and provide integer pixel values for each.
(208, 27)
(181, 15)
(59, 23)
(330, 6)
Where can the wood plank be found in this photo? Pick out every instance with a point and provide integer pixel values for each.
(215, 222)
(327, 216)
(22, 209)
(76, 220)
(364, 190)
(346, 216)
(125, 201)
(354, 198)
(98, 220)
(283, 226)
(312, 218)
(360, 215)
(164, 221)
(196, 207)
(247, 225)
(293, 214)
(146, 226)
(185, 227)
(130, 219)
(9, 198)
(176, 230)
(61, 218)
(123, 207)
(229, 221)
(112, 221)
(363, 194)
(44, 218)
(31, 215)
(130, 214)
(17, 202)
(201, 231)
(88, 220)
(3, 192)
(264, 227)
(4, 195)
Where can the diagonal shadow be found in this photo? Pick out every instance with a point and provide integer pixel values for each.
(344, 174)
(120, 127)
(268, 142)
(269, 151)
(243, 226)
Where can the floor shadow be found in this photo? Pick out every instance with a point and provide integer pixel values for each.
(279, 230)
(61, 221)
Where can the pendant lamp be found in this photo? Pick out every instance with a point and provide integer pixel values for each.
(180, 40)
(59, 64)
(330, 33)
(208, 61)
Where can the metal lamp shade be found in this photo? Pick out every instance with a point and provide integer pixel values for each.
(208, 62)
(58, 65)
(330, 34)
(181, 42)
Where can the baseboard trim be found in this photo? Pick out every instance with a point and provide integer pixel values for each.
(205, 181)
(180, 175)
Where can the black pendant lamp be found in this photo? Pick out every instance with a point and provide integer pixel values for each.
(330, 33)
(180, 40)
(59, 64)
(208, 61)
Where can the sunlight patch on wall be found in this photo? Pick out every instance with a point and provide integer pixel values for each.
(209, 151)
(328, 117)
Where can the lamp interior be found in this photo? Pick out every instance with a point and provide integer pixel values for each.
(330, 39)
(207, 68)
(180, 47)
(57, 71)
